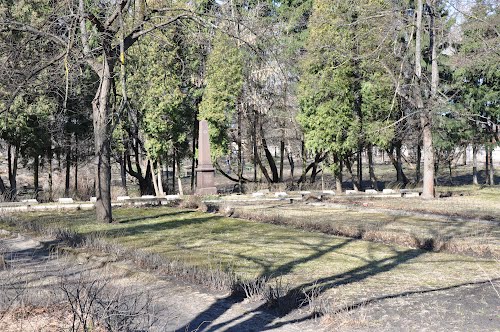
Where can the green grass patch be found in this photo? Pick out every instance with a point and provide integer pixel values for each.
(351, 269)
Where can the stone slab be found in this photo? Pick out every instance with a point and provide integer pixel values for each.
(122, 198)
(329, 192)
(258, 194)
(371, 191)
(411, 194)
(148, 196)
(351, 192)
(388, 191)
(31, 201)
(65, 200)
(280, 194)
(93, 199)
(172, 197)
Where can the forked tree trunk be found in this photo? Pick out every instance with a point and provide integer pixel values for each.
(348, 165)
(155, 183)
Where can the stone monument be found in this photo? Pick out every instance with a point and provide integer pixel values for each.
(205, 172)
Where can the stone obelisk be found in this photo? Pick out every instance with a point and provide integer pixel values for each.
(205, 172)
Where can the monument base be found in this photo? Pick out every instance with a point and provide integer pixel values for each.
(205, 176)
(206, 191)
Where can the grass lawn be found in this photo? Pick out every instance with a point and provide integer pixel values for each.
(350, 270)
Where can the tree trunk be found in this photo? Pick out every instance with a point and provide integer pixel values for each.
(193, 160)
(153, 175)
(160, 181)
(174, 157)
(417, 168)
(269, 157)
(371, 168)
(100, 112)
(474, 165)
(304, 163)
(51, 170)
(2, 186)
(282, 156)
(240, 153)
(255, 156)
(76, 165)
(36, 164)
(399, 168)
(179, 180)
(68, 165)
(348, 165)
(123, 173)
(12, 161)
(487, 165)
(359, 167)
(425, 115)
(292, 163)
(400, 175)
(491, 173)
(338, 173)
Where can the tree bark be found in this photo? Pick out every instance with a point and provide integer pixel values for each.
(179, 180)
(491, 173)
(425, 115)
(486, 165)
(282, 156)
(348, 165)
(36, 164)
(160, 181)
(75, 161)
(174, 157)
(474, 165)
(68, 168)
(269, 157)
(338, 173)
(51, 170)
(12, 167)
(371, 167)
(100, 112)
(193, 160)
(417, 168)
(292, 163)
(153, 175)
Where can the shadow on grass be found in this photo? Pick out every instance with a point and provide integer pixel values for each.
(158, 226)
(156, 216)
(261, 318)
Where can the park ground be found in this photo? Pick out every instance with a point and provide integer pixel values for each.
(344, 263)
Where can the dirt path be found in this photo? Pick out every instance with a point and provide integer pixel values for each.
(178, 306)
(182, 307)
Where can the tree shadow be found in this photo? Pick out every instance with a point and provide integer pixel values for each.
(159, 226)
(156, 216)
(262, 317)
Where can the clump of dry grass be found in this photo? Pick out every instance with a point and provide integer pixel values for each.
(391, 237)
